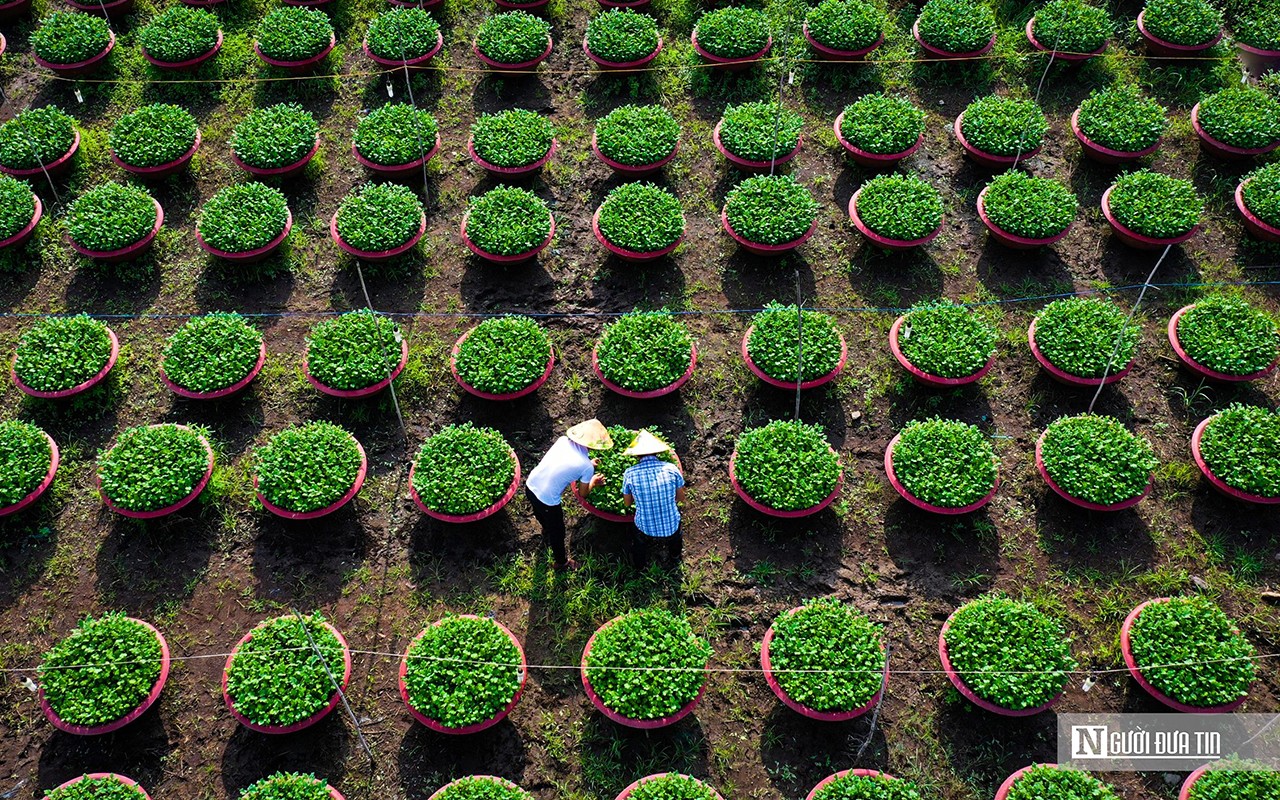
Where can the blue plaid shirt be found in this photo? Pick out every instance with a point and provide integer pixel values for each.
(653, 484)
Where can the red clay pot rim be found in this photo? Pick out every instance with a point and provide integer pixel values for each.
(649, 395)
(1182, 48)
(642, 724)
(969, 694)
(1200, 369)
(329, 509)
(626, 793)
(1222, 149)
(255, 253)
(1007, 786)
(605, 64)
(989, 159)
(515, 259)
(1217, 483)
(36, 493)
(811, 384)
(729, 62)
(865, 156)
(12, 4)
(124, 252)
(1076, 501)
(630, 255)
(79, 387)
(523, 65)
(301, 63)
(477, 726)
(127, 781)
(764, 249)
(774, 512)
(412, 62)
(609, 516)
(766, 665)
(158, 170)
(1092, 148)
(1126, 649)
(930, 507)
(355, 394)
(169, 509)
(928, 378)
(861, 773)
(25, 234)
(190, 62)
(1011, 239)
(1061, 375)
(836, 54)
(747, 164)
(477, 516)
(1128, 233)
(278, 172)
(109, 727)
(516, 395)
(88, 63)
(218, 393)
(947, 55)
(1059, 55)
(628, 170)
(297, 726)
(885, 241)
(54, 166)
(527, 168)
(396, 169)
(1261, 228)
(1257, 51)
(376, 255)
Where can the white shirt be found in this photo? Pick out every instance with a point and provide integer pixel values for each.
(563, 464)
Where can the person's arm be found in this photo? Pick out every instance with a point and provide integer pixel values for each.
(680, 495)
(627, 491)
(629, 500)
(596, 478)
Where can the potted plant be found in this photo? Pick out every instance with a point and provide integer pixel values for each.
(290, 786)
(462, 674)
(28, 463)
(998, 131)
(1006, 656)
(38, 141)
(72, 43)
(1118, 124)
(955, 29)
(784, 345)
(756, 137)
(732, 38)
(1209, 783)
(1257, 35)
(1258, 201)
(1150, 210)
(104, 675)
(507, 225)
(212, 357)
(403, 37)
(153, 471)
(643, 698)
(181, 38)
(1188, 655)
(354, 355)
(513, 40)
(1092, 462)
(502, 358)
(275, 680)
(1238, 450)
(464, 474)
(942, 466)
(378, 221)
(480, 787)
(20, 212)
(1079, 340)
(605, 501)
(1070, 29)
(864, 784)
(636, 141)
(275, 141)
(668, 786)
(113, 222)
(644, 355)
(244, 223)
(512, 142)
(824, 660)
(844, 30)
(1179, 27)
(878, 130)
(1225, 339)
(1024, 212)
(785, 469)
(309, 471)
(60, 357)
(944, 345)
(396, 140)
(156, 141)
(294, 38)
(769, 214)
(1237, 122)
(897, 212)
(622, 39)
(98, 784)
(639, 222)
(1052, 782)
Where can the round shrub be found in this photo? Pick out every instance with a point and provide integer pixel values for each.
(732, 32)
(287, 786)
(760, 131)
(1241, 116)
(1093, 458)
(275, 136)
(1184, 22)
(516, 137)
(354, 350)
(1034, 208)
(1086, 336)
(901, 207)
(845, 24)
(58, 353)
(1195, 632)
(637, 135)
(243, 217)
(103, 670)
(307, 467)
(672, 786)
(1009, 653)
(643, 351)
(153, 466)
(403, 33)
(25, 457)
(111, 216)
(483, 787)
(180, 33)
(881, 123)
(1071, 26)
(281, 674)
(1236, 784)
(396, 133)
(294, 33)
(947, 340)
(1004, 126)
(770, 209)
(508, 220)
(36, 136)
(1059, 783)
(1241, 446)
(779, 331)
(463, 469)
(379, 217)
(868, 787)
(1122, 118)
(612, 463)
(108, 787)
(827, 656)
(1154, 204)
(622, 35)
(462, 670)
(513, 37)
(956, 26)
(69, 37)
(153, 135)
(641, 217)
(503, 355)
(786, 465)
(1228, 335)
(211, 352)
(651, 637)
(17, 206)
(1258, 27)
(1261, 194)
(945, 463)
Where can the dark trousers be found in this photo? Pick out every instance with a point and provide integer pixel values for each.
(641, 544)
(551, 518)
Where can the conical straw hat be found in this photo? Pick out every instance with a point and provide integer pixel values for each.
(646, 444)
(591, 434)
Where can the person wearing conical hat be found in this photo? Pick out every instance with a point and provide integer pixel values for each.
(568, 460)
(655, 488)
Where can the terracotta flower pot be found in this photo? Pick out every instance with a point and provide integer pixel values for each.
(1217, 483)
(834, 54)
(37, 492)
(969, 694)
(764, 249)
(642, 724)
(478, 515)
(14, 9)
(80, 68)
(1012, 240)
(327, 510)
(511, 172)
(1134, 239)
(634, 395)
(531, 64)
(78, 388)
(54, 168)
(300, 67)
(1105, 155)
(609, 66)
(631, 256)
(730, 64)
(100, 775)
(776, 512)
(471, 390)
(217, 394)
(1007, 786)
(747, 165)
(1257, 227)
(869, 159)
(281, 173)
(109, 727)
(1221, 149)
(1076, 501)
(1070, 58)
(766, 666)
(1185, 792)
(397, 171)
(791, 385)
(128, 253)
(884, 242)
(187, 65)
(862, 773)
(1257, 60)
(20, 238)
(929, 379)
(416, 63)
(494, 258)
(580, 494)
(628, 171)
(375, 255)
(946, 55)
(110, 8)
(367, 391)
(1064, 377)
(1126, 649)
(249, 256)
(160, 170)
(922, 504)
(1160, 48)
(1200, 369)
(985, 159)
(173, 507)
(297, 726)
